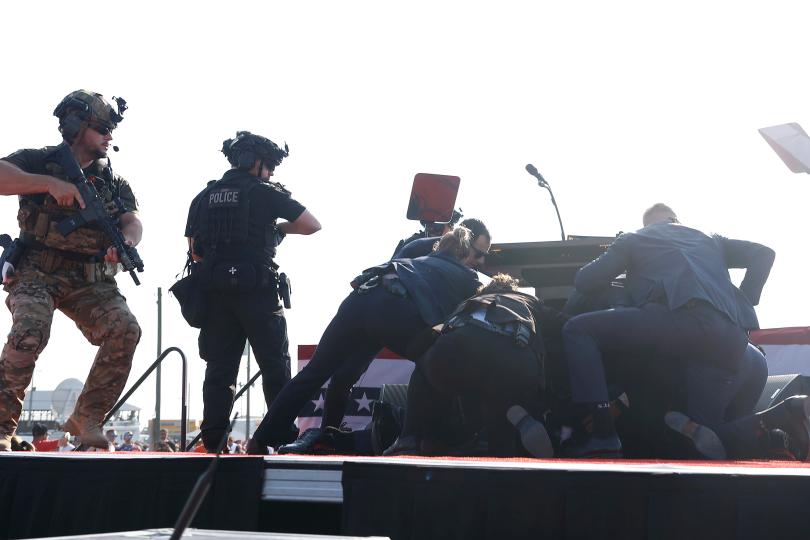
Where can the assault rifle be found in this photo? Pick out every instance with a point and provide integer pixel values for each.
(94, 211)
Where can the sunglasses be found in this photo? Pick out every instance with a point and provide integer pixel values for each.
(100, 129)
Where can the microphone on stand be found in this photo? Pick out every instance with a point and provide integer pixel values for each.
(532, 170)
(115, 148)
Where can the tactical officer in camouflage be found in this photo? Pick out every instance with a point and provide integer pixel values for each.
(72, 273)
(233, 233)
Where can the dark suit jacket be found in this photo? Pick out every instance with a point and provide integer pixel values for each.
(436, 283)
(673, 264)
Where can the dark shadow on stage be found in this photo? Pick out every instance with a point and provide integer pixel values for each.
(54, 496)
(420, 502)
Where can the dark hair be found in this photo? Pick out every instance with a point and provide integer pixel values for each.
(501, 283)
(476, 227)
(38, 430)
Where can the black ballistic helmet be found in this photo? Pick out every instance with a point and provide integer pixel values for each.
(243, 150)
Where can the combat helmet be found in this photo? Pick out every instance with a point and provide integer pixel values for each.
(79, 108)
(243, 151)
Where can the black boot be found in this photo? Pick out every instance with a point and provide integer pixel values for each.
(790, 416)
(601, 443)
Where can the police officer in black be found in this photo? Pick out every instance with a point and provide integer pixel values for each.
(233, 233)
(389, 306)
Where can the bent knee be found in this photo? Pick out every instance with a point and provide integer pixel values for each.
(29, 336)
(119, 326)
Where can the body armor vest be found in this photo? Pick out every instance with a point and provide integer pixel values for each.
(227, 228)
(509, 314)
(38, 216)
(501, 309)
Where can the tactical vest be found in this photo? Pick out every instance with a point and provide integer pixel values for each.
(227, 229)
(38, 216)
(502, 313)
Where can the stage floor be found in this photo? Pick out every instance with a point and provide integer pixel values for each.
(48, 494)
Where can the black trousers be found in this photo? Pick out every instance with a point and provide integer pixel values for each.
(481, 367)
(364, 324)
(234, 318)
(709, 347)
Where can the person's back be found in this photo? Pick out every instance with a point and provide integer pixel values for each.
(672, 264)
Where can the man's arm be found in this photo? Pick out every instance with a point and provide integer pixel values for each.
(132, 229)
(15, 181)
(599, 273)
(194, 256)
(755, 258)
(306, 223)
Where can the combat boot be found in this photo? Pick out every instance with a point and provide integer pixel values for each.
(89, 432)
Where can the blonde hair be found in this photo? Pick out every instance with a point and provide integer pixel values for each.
(455, 243)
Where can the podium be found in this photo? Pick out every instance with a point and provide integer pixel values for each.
(549, 267)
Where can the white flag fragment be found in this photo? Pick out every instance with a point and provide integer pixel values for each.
(790, 143)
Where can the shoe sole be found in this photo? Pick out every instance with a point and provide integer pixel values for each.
(533, 434)
(806, 425)
(705, 440)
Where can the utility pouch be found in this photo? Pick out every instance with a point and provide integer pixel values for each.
(393, 285)
(42, 225)
(285, 290)
(191, 296)
(49, 260)
(233, 277)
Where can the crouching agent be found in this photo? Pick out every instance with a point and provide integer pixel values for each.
(233, 234)
(390, 305)
(490, 351)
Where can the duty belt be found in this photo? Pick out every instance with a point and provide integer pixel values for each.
(520, 332)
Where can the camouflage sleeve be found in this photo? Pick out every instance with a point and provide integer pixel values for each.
(127, 197)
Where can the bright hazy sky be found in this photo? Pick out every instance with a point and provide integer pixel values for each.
(618, 104)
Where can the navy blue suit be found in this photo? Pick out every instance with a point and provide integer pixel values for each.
(417, 248)
(682, 308)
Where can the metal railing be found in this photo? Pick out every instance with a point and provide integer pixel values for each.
(184, 397)
(241, 391)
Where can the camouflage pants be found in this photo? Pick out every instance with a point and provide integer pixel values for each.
(42, 285)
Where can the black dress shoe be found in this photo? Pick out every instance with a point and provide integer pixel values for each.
(404, 446)
(791, 416)
(306, 443)
(609, 447)
(704, 440)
